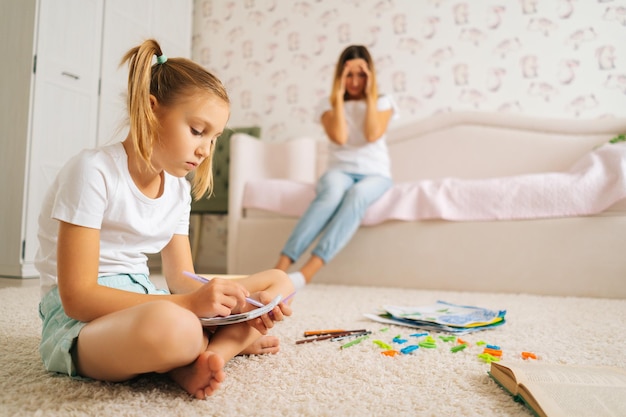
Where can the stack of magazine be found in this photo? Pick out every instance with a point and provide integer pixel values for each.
(441, 316)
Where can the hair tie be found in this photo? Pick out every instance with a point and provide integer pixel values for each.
(161, 59)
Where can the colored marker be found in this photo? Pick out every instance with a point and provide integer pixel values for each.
(331, 331)
(457, 348)
(318, 338)
(383, 345)
(354, 342)
(341, 337)
(488, 358)
(409, 349)
(492, 352)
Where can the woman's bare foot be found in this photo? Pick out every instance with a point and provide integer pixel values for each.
(203, 377)
(264, 344)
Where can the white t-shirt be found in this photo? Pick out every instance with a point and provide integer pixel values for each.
(357, 155)
(95, 189)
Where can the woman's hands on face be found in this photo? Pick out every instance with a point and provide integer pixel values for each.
(356, 79)
(341, 91)
(368, 78)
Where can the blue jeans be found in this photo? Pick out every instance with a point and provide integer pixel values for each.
(336, 213)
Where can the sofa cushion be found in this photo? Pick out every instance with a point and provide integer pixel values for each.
(291, 198)
(278, 197)
(595, 184)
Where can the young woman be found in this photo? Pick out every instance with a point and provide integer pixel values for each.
(102, 316)
(355, 120)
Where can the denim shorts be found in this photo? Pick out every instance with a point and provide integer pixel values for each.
(59, 332)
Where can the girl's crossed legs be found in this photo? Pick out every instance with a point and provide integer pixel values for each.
(163, 337)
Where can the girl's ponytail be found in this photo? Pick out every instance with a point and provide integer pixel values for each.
(143, 123)
(168, 81)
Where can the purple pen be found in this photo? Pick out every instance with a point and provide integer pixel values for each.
(196, 277)
(288, 297)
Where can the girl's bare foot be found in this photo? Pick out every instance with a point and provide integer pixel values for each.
(264, 344)
(203, 377)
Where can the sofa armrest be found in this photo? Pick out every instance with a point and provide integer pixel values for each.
(251, 158)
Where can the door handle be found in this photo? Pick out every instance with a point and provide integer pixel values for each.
(69, 74)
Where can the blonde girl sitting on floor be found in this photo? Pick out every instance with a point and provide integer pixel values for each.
(102, 316)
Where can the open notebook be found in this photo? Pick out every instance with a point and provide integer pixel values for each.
(237, 318)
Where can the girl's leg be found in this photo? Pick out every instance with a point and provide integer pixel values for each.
(161, 336)
(330, 191)
(348, 217)
(154, 337)
(266, 344)
(202, 377)
(234, 339)
(151, 337)
(273, 282)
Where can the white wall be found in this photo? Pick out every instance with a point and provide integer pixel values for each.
(547, 58)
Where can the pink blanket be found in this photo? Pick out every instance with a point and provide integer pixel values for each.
(593, 184)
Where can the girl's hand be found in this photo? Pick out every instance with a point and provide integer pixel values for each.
(341, 90)
(266, 321)
(368, 75)
(219, 297)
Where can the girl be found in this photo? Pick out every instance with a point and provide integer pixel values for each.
(102, 316)
(355, 120)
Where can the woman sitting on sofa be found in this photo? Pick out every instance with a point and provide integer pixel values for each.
(355, 120)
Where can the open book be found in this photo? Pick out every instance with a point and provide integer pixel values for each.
(564, 390)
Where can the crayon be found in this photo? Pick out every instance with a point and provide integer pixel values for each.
(354, 342)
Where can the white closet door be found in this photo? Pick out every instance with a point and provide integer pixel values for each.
(65, 103)
(126, 25)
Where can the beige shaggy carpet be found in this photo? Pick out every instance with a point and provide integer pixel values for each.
(319, 379)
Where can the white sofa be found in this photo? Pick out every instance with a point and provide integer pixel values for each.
(577, 256)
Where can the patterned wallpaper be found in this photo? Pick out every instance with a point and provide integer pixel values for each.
(547, 58)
